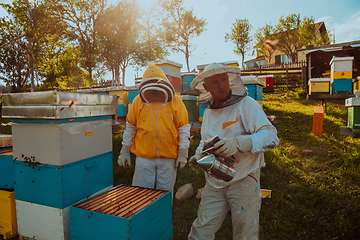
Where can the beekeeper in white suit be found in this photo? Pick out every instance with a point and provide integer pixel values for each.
(157, 132)
(245, 133)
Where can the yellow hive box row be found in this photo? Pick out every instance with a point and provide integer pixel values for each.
(341, 75)
(8, 222)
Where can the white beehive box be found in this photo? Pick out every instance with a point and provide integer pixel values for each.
(341, 64)
(60, 144)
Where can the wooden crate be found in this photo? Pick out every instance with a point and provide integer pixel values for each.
(125, 212)
(60, 186)
(8, 222)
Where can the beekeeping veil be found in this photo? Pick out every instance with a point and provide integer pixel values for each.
(154, 82)
(236, 84)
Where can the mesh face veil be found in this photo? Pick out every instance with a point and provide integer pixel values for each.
(155, 87)
(236, 84)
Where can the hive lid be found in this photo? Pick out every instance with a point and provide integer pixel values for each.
(57, 105)
(318, 80)
(252, 80)
(349, 102)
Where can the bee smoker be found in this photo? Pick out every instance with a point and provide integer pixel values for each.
(215, 165)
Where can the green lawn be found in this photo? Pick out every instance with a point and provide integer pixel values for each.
(315, 180)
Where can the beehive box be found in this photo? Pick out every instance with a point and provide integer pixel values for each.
(175, 82)
(268, 80)
(353, 107)
(6, 169)
(255, 91)
(190, 103)
(65, 142)
(132, 94)
(187, 78)
(124, 212)
(341, 67)
(202, 107)
(8, 222)
(356, 84)
(170, 68)
(252, 80)
(341, 86)
(40, 222)
(57, 105)
(319, 86)
(61, 186)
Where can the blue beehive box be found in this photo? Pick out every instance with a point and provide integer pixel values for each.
(255, 91)
(122, 110)
(60, 186)
(132, 94)
(6, 169)
(124, 212)
(339, 86)
(187, 78)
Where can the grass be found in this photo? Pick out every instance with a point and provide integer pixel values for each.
(315, 180)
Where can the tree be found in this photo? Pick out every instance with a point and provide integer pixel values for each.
(81, 17)
(33, 22)
(14, 69)
(263, 37)
(240, 36)
(151, 47)
(118, 29)
(58, 65)
(294, 33)
(179, 27)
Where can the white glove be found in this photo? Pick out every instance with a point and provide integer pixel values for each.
(124, 159)
(227, 147)
(193, 161)
(181, 159)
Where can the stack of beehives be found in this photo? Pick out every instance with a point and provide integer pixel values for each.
(62, 149)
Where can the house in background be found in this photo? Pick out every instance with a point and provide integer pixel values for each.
(279, 58)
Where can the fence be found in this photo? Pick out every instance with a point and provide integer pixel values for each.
(286, 75)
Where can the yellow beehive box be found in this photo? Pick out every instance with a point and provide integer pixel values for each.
(319, 86)
(8, 222)
(341, 75)
(123, 96)
(356, 84)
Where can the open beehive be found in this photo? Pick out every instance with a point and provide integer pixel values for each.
(124, 212)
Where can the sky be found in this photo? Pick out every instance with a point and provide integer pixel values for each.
(341, 17)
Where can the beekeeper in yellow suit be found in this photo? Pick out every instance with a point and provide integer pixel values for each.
(245, 133)
(157, 132)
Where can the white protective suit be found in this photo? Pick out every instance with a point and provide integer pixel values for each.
(241, 195)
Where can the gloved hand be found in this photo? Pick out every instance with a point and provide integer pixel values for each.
(227, 147)
(193, 161)
(181, 159)
(124, 159)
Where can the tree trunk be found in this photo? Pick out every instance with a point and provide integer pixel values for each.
(31, 66)
(123, 76)
(90, 77)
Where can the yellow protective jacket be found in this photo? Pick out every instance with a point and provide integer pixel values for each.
(157, 127)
